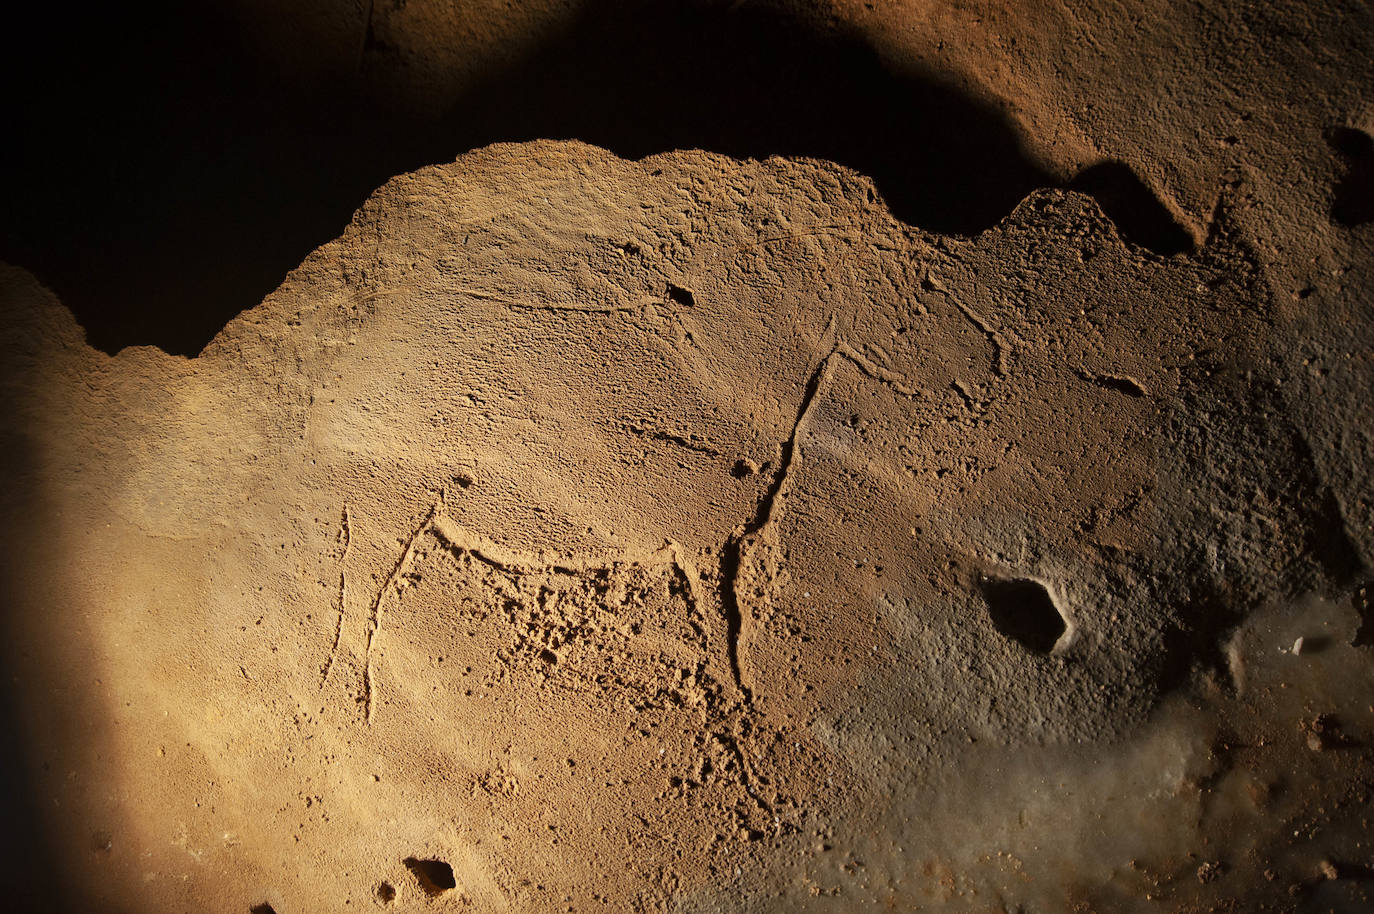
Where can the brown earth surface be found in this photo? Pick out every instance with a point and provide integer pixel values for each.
(688, 531)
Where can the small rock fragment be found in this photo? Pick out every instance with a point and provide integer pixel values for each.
(1323, 732)
(1208, 872)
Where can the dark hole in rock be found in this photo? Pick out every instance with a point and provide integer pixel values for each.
(1122, 386)
(1316, 644)
(386, 893)
(263, 908)
(1353, 202)
(434, 876)
(1023, 610)
(682, 296)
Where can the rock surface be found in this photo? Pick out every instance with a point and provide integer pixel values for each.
(690, 534)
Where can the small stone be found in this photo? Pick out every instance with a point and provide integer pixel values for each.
(1208, 872)
(1297, 646)
(1323, 732)
(1327, 869)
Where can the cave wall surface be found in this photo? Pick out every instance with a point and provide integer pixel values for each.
(628, 529)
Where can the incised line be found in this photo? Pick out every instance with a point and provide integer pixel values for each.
(375, 621)
(338, 631)
(999, 364)
(344, 537)
(740, 546)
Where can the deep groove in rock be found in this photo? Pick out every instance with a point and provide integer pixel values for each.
(733, 556)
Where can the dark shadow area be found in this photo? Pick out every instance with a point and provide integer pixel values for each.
(162, 176)
(1023, 611)
(1196, 643)
(24, 850)
(1353, 202)
(32, 868)
(1128, 201)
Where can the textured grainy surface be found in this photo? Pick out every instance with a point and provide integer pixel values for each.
(690, 534)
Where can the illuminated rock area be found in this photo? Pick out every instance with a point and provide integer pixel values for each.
(576, 533)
